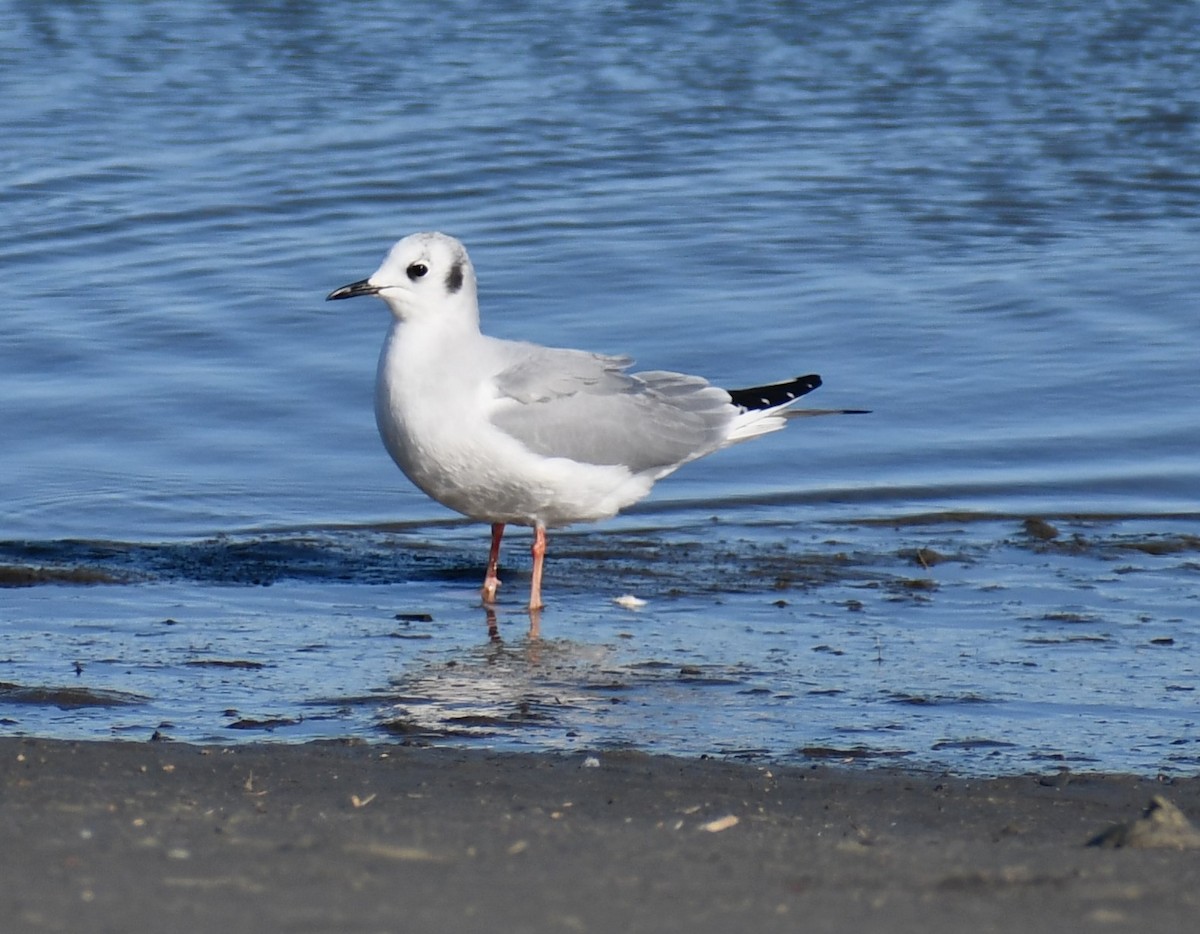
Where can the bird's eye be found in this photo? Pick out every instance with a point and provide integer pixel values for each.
(416, 271)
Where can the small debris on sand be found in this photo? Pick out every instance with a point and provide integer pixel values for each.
(1161, 826)
(721, 823)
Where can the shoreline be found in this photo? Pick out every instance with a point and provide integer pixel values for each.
(347, 836)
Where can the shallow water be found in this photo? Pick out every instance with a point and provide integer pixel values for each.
(977, 221)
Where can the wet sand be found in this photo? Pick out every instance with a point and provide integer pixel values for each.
(103, 836)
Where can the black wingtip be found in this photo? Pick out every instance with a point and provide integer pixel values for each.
(773, 394)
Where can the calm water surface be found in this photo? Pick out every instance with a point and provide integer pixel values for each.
(978, 220)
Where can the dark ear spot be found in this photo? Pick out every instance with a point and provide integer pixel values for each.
(454, 278)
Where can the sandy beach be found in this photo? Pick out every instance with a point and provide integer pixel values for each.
(104, 836)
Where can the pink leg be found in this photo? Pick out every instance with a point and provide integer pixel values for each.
(539, 554)
(491, 582)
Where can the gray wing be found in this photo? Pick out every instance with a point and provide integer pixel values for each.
(568, 403)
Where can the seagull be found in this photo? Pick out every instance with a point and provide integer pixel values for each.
(514, 433)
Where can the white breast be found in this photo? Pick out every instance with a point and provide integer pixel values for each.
(433, 417)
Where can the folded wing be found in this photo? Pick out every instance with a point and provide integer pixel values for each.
(586, 407)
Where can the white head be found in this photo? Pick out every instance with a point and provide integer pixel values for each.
(425, 275)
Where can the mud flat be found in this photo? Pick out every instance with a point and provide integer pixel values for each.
(108, 836)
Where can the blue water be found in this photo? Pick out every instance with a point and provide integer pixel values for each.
(978, 220)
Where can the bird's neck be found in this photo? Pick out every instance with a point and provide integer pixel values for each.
(424, 346)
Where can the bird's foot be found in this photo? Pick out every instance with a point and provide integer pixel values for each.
(488, 592)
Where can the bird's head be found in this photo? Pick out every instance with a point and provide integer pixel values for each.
(424, 276)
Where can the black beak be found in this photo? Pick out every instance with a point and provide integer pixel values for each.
(353, 290)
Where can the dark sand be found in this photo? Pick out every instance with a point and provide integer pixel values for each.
(129, 837)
